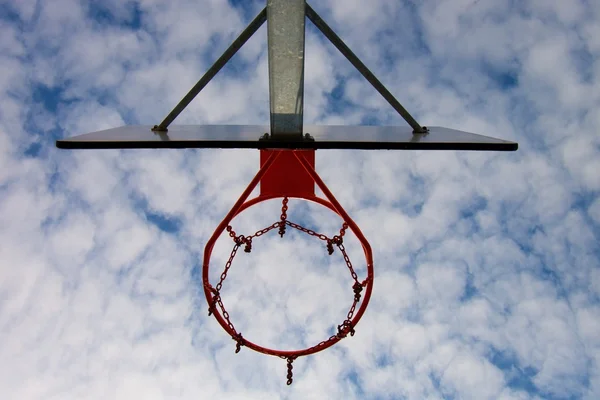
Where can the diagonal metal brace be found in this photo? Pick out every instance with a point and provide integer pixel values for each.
(213, 70)
(362, 68)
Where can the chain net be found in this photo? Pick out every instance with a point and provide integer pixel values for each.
(344, 329)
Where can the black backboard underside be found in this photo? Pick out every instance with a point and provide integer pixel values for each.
(249, 137)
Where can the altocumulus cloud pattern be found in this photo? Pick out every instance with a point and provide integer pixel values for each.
(487, 264)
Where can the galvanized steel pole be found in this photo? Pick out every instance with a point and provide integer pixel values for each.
(285, 27)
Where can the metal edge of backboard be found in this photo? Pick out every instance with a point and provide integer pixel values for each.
(95, 140)
(275, 144)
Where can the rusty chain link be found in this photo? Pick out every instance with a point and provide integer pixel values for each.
(345, 328)
(308, 231)
(290, 372)
(283, 217)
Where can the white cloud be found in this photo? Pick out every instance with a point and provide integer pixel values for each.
(486, 264)
(471, 378)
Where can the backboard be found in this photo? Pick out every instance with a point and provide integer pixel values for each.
(257, 137)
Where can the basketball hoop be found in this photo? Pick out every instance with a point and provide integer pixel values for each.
(295, 177)
(287, 151)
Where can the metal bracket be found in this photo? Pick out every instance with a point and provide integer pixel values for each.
(306, 138)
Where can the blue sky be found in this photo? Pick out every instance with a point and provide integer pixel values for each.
(487, 265)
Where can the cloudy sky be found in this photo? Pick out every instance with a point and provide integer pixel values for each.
(487, 265)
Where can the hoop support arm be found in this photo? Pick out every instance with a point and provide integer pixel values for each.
(362, 68)
(235, 209)
(213, 70)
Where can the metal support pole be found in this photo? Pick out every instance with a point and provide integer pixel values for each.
(362, 68)
(213, 70)
(285, 27)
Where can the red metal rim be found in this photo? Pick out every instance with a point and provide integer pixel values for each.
(243, 204)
